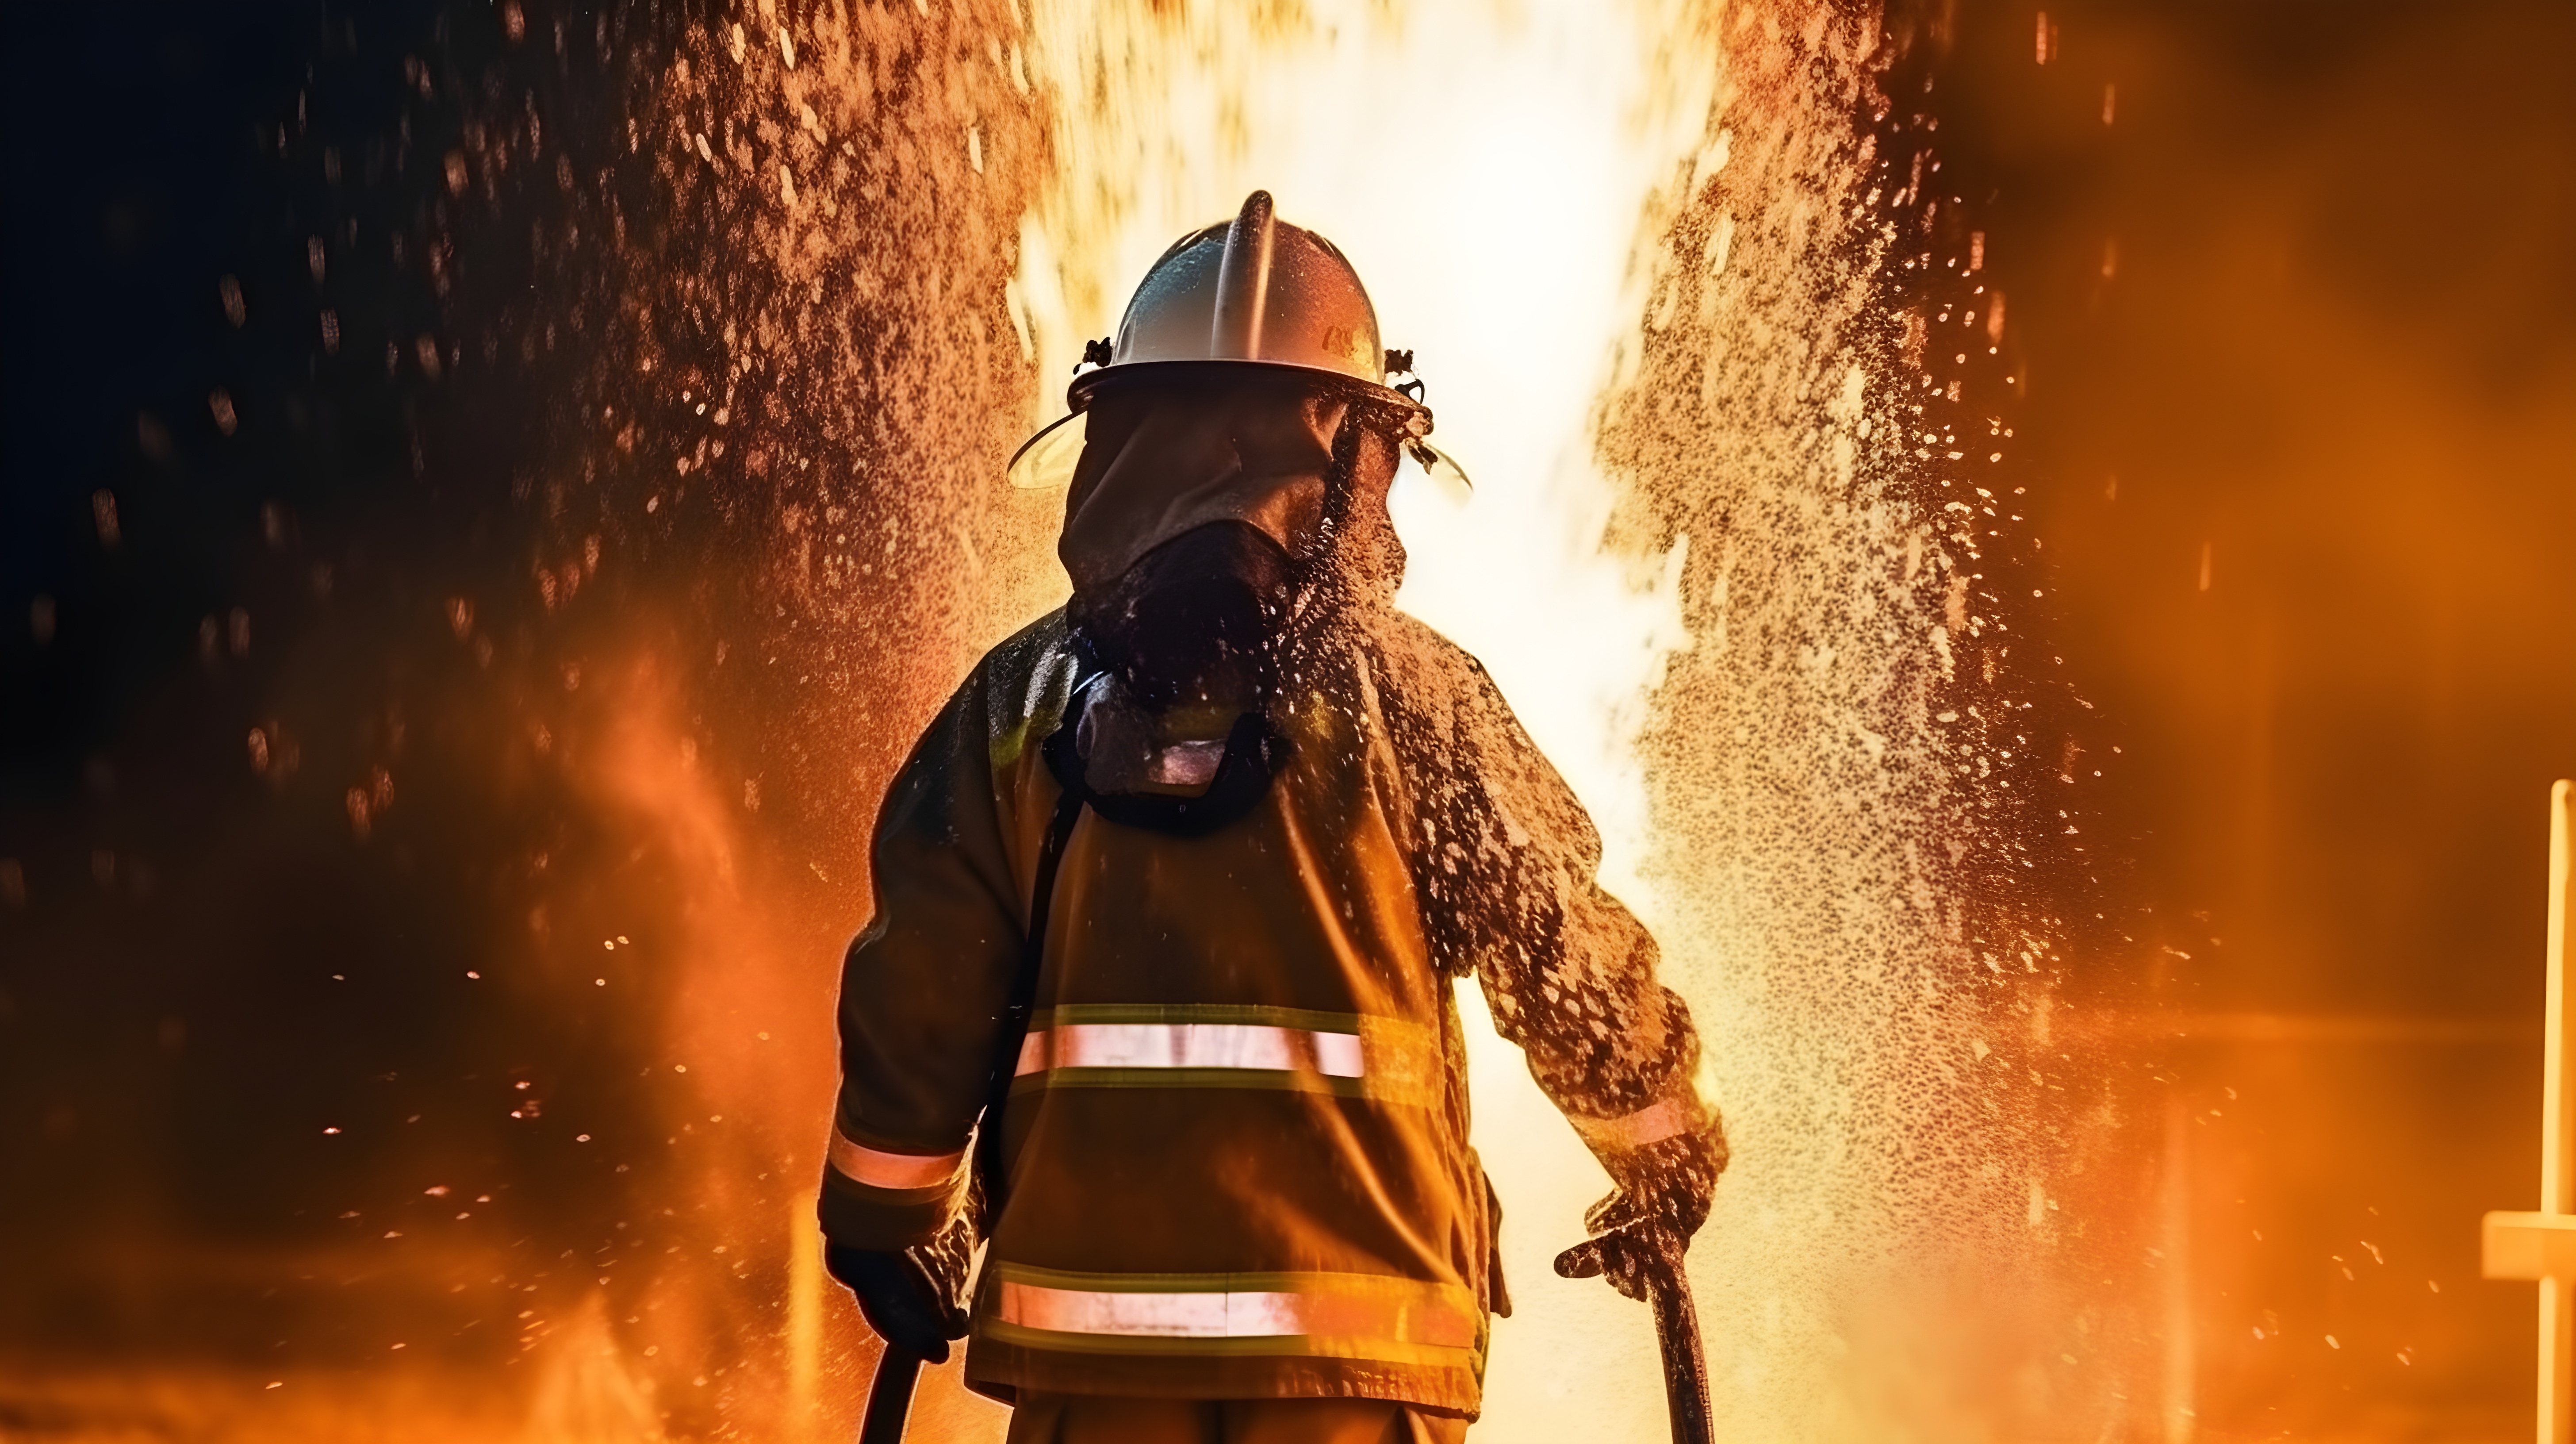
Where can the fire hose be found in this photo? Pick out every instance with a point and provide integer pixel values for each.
(890, 1397)
(1677, 1332)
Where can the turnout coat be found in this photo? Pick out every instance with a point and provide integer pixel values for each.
(1236, 1135)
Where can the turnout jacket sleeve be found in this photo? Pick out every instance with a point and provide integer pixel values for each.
(924, 986)
(1506, 862)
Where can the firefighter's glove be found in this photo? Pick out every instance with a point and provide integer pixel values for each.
(904, 1300)
(1645, 1226)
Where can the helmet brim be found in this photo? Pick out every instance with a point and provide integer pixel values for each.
(1408, 417)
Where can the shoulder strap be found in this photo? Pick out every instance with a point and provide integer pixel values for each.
(1254, 753)
(1014, 1031)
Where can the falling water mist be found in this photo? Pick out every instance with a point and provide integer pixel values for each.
(1853, 873)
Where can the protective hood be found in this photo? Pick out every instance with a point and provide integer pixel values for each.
(1213, 515)
(1165, 459)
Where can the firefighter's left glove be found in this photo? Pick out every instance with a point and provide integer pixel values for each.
(906, 1300)
(1645, 1226)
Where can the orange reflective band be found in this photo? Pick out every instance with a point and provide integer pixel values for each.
(900, 1171)
(1231, 1045)
(1664, 1118)
(1314, 1312)
(1192, 1045)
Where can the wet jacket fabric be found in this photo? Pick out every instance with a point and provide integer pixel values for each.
(1236, 1137)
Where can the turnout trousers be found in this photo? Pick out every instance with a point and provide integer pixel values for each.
(1044, 1418)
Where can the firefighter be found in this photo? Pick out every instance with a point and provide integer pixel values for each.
(1171, 896)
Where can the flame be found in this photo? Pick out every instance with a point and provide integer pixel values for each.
(753, 963)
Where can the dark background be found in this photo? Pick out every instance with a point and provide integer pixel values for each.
(2300, 430)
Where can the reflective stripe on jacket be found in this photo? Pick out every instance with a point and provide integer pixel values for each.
(1237, 1130)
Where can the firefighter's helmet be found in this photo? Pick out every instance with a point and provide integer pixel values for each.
(1254, 291)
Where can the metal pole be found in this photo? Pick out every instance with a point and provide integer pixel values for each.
(2558, 1130)
(2542, 1245)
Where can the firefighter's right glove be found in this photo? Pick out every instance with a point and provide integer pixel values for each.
(903, 1300)
(1645, 1226)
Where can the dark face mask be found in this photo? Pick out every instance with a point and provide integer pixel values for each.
(1193, 621)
